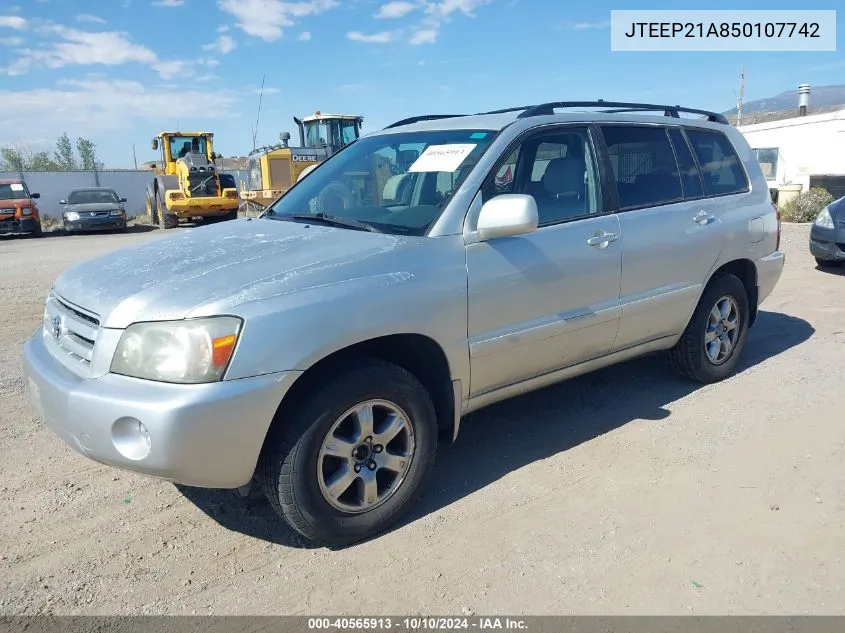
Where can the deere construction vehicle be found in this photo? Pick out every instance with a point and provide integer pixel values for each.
(273, 170)
(187, 184)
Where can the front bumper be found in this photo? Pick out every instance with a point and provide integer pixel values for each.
(207, 436)
(102, 223)
(769, 271)
(828, 244)
(17, 227)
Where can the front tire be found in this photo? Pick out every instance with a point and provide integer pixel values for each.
(350, 461)
(710, 347)
(165, 220)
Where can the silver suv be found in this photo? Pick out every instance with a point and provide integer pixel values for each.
(424, 271)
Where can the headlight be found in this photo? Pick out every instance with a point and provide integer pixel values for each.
(71, 215)
(188, 352)
(824, 220)
(26, 211)
(116, 212)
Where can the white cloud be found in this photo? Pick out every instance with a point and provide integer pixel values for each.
(222, 28)
(396, 9)
(94, 107)
(581, 26)
(168, 3)
(11, 41)
(305, 36)
(267, 19)
(87, 17)
(424, 36)
(81, 48)
(223, 45)
(385, 37)
(174, 68)
(13, 22)
(209, 62)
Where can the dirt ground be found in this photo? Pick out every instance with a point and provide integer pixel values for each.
(628, 491)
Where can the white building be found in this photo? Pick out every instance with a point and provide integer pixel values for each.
(804, 150)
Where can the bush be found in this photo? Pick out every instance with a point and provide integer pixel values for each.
(806, 206)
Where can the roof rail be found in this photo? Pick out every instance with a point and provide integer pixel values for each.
(425, 117)
(619, 106)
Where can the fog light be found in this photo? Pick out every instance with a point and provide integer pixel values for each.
(131, 438)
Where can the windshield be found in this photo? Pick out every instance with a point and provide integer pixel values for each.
(181, 145)
(319, 133)
(13, 191)
(396, 183)
(92, 197)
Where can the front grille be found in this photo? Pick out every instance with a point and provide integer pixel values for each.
(7, 211)
(73, 332)
(279, 173)
(202, 185)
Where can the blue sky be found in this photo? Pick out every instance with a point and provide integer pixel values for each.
(118, 71)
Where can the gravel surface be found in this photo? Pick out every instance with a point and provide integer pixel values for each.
(627, 491)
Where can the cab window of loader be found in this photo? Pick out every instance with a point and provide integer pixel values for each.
(180, 145)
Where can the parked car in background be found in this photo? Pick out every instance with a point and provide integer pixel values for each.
(422, 272)
(827, 235)
(18, 211)
(93, 209)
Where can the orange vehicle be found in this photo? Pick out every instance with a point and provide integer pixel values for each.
(18, 211)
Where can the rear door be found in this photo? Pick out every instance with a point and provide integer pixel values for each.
(672, 234)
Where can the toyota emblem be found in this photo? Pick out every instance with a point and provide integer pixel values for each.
(57, 327)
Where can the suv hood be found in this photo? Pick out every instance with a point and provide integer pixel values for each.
(225, 264)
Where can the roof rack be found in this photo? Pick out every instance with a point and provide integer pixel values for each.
(425, 117)
(619, 106)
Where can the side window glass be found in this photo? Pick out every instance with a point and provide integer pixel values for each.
(558, 169)
(644, 166)
(690, 176)
(721, 168)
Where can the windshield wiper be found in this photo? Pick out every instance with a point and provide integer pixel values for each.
(333, 220)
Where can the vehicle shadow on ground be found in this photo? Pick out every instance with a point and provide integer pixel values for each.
(832, 270)
(509, 435)
(130, 230)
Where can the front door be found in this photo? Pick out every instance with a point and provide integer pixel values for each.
(548, 299)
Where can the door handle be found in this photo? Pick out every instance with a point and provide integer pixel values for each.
(702, 217)
(602, 239)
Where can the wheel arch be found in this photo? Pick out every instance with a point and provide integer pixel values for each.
(746, 271)
(419, 354)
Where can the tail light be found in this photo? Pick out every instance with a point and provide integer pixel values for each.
(777, 212)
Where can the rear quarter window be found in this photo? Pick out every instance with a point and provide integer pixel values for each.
(721, 167)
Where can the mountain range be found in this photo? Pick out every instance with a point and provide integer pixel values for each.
(821, 97)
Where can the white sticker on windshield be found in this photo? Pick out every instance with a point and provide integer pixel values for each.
(16, 186)
(442, 157)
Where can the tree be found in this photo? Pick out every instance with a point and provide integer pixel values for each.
(63, 156)
(87, 154)
(11, 159)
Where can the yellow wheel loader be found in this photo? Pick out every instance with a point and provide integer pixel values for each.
(187, 184)
(274, 170)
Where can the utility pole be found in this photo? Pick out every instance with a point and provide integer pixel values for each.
(741, 92)
(134, 157)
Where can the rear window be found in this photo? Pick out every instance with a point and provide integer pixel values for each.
(721, 168)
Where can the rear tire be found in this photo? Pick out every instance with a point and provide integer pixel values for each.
(297, 487)
(829, 263)
(690, 357)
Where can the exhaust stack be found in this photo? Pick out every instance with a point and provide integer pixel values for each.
(803, 99)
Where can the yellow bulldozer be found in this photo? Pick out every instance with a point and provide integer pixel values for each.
(187, 184)
(271, 171)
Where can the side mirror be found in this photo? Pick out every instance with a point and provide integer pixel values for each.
(35, 195)
(62, 201)
(121, 199)
(154, 144)
(508, 215)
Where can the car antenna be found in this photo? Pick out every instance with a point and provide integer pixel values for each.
(258, 116)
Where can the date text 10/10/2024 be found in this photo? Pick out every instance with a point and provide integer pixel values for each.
(416, 623)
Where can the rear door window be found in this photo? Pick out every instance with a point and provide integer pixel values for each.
(690, 175)
(644, 165)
